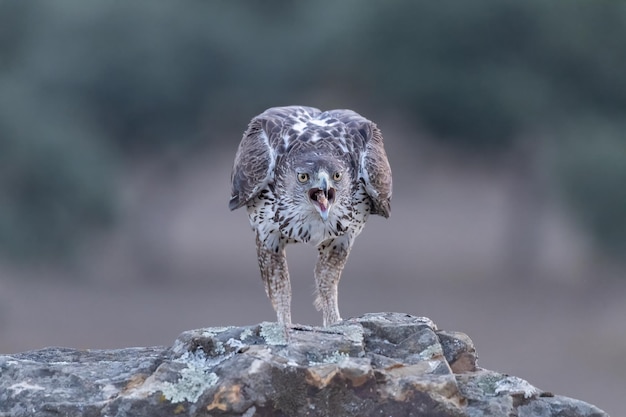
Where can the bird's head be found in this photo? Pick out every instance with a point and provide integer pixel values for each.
(320, 183)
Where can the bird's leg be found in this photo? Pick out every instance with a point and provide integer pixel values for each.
(333, 255)
(273, 265)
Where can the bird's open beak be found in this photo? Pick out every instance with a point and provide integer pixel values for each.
(322, 196)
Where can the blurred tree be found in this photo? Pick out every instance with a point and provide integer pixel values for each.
(483, 73)
(139, 72)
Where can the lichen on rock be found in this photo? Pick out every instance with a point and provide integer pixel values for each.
(194, 379)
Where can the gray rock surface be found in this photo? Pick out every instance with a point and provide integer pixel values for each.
(385, 364)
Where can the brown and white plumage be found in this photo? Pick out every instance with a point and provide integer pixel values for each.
(309, 176)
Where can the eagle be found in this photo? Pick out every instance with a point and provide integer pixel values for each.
(309, 176)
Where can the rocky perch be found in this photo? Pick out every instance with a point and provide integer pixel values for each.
(385, 364)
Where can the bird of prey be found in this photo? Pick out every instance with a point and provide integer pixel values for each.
(309, 176)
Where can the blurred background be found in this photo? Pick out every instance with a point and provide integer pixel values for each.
(504, 123)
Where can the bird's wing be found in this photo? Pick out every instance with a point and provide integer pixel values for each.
(262, 143)
(374, 169)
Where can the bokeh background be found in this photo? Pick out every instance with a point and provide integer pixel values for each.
(504, 123)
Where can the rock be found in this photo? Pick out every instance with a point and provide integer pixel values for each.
(385, 364)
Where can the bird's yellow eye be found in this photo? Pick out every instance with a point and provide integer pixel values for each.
(303, 176)
(337, 176)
